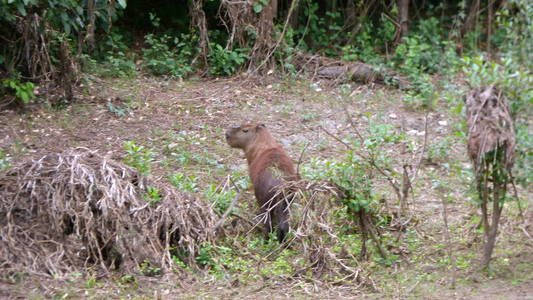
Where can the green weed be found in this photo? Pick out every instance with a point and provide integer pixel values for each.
(138, 157)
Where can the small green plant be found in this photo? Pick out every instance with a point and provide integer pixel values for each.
(113, 58)
(4, 160)
(221, 199)
(354, 178)
(364, 46)
(149, 270)
(421, 93)
(204, 257)
(23, 91)
(425, 50)
(440, 151)
(114, 64)
(184, 183)
(91, 283)
(117, 110)
(127, 279)
(225, 62)
(178, 262)
(153, 194)
(119, 65)
(258, 6)
(138, 157)
(284, 54)
(307, 117)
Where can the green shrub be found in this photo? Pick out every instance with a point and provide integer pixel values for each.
(368, 42)
(226, 62)
(138, 157)
(425, 50)
(23, 91)
(167, 55)
(284, 54)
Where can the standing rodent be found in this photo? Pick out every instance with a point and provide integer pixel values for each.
(269, 166)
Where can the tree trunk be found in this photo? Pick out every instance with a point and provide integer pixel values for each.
(489, 25)
(364, 234)
(403, 20)
(406, 185)
(500, 190)
(472, 17)
(295, 15)
(90, 28)
(198, 22)
(350, 15)
(263, 42)
(374, 235)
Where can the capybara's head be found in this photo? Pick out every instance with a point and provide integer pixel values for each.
(243, 135)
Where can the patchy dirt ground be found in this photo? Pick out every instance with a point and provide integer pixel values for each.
(183, 123)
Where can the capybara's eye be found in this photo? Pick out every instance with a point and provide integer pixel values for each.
(245, 130)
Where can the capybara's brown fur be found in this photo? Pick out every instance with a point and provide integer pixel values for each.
(268, 166)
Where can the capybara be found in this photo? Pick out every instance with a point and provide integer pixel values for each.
(269, 166)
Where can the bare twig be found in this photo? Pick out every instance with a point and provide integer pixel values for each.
(300, 159)
(515, 191)
(448, 241)
(368, 159)
(227, 212)
(426, 134)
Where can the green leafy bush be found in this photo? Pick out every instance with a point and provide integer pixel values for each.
(367, 43)
(284, 54)
(425, 50)
(363, 48)
(226, 62)
(112, 58)
(23, 91)
(167, 55)
(317, 32)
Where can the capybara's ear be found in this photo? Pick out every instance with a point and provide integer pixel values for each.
(260, 126)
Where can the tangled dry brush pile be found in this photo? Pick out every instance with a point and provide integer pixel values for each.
(76, 210)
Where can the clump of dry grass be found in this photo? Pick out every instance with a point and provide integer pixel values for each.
(69, 211)
(490, 126)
